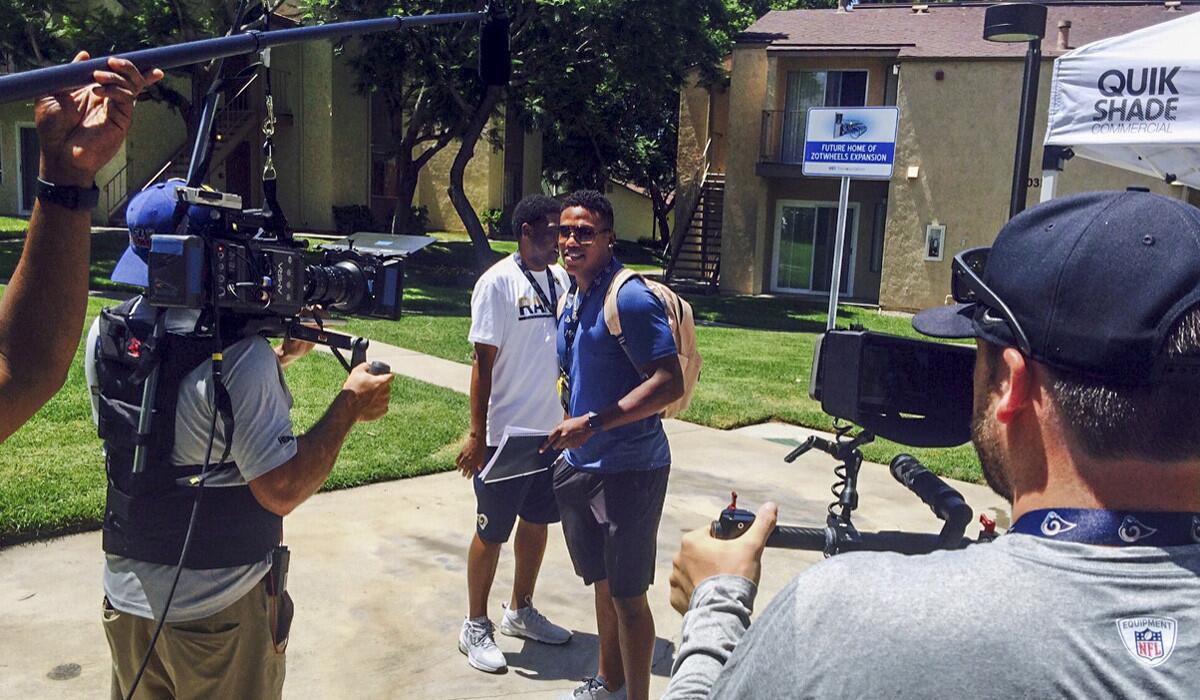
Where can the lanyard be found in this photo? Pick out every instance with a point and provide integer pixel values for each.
(551, 303)
(1122, 528)
(577, 297)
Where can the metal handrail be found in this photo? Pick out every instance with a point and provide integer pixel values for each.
(186, 148)
(114, 190)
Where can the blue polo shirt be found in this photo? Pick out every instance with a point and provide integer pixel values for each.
(601, 372)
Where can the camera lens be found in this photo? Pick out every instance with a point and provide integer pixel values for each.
(341, 286)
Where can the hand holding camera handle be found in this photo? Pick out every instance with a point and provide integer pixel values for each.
(358, 352)
(377, 367)
(734, 522)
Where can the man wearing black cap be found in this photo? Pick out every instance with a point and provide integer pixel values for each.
(1086, 315)
(226, 624)
(42, 311)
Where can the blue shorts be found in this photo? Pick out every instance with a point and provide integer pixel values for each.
(498, 504)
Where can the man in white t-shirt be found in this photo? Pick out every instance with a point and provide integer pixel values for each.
(513, 379)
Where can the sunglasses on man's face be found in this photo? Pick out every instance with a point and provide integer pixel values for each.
(584, 235)
(967, 287)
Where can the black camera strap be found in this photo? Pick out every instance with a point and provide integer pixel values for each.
(550, 303)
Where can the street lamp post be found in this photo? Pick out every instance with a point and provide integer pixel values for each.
(1013, 23)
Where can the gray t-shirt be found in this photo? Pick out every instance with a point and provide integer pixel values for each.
(1021, 617)
(262, 440)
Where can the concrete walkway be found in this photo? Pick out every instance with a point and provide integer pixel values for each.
(378, 574)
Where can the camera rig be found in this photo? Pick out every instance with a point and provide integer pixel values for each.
(914, 392)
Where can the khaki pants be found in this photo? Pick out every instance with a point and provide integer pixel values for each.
(226, 655)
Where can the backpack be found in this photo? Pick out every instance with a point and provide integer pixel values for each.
(683, 329)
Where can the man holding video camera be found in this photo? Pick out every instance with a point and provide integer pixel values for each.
(226, 626)
(612, 478)
(41, 313)
(1086, 315)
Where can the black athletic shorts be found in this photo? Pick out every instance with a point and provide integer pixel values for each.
(610, 522)
(498, 504)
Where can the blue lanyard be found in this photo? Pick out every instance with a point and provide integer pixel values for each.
(552, 302)
(1118, 528)
(576, 298)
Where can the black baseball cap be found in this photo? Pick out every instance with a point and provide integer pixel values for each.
(1091, 283)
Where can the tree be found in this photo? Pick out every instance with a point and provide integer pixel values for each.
(628, 130)
(46, 32)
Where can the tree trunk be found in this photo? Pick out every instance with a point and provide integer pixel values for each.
(458, 195)
(406, 189)
(514, 164)
(661, 209)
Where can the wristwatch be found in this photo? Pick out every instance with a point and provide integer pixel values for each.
(68, 196)
(594, 422)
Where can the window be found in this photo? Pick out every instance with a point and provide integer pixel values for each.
(805, 89)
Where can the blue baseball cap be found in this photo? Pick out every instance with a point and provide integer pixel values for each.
(1091, 283)
(150, 212)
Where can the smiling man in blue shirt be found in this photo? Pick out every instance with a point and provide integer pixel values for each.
(612, 478)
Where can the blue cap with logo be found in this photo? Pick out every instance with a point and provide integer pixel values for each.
(1091, 283)
(150, 212)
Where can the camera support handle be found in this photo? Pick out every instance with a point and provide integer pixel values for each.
(838, 527)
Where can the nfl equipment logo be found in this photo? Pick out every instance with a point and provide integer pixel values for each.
(1148, 643)
(1150, 640)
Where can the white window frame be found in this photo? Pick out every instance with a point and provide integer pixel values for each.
(812, 203)
(20, 167)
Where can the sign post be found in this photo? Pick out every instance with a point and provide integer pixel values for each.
(848, 142)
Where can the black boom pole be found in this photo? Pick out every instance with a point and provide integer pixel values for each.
(45, 81)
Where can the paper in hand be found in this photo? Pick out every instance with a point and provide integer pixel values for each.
(517, 455)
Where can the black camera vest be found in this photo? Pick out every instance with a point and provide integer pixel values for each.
(146, 515)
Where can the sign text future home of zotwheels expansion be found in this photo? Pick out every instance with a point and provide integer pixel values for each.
(857, 142)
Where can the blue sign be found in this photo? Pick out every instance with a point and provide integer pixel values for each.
(858, 142)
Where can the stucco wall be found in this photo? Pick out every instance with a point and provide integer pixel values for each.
(482, 181)
(693, 134)
(633, 217)
(961, 132)
(745, 215)
(156, 133)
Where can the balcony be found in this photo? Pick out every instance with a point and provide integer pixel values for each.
(781, 143)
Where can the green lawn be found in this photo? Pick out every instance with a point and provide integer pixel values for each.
(52, 470)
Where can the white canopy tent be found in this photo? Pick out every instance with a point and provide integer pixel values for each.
(1130, 101)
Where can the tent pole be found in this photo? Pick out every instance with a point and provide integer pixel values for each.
(1054, 159)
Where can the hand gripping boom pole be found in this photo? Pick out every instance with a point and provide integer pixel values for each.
(45, 81)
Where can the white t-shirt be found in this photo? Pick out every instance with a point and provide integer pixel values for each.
(262, 440)
(507, 313)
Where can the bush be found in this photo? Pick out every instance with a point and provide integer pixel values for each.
(420, 219)
(491, 219)
(353, 218)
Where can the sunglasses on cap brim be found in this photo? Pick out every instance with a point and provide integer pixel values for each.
(967, 287)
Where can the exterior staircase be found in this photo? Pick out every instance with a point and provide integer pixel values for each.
(696, 260)
(234, 123)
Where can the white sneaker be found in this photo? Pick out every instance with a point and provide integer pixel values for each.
(594, 689)
(527, 622)
(477, 642)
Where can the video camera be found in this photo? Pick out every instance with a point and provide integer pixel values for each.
(230, 257)
(914, 392)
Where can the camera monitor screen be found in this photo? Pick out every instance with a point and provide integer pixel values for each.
(914, 392)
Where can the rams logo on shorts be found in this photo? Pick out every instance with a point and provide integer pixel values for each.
(482, 521)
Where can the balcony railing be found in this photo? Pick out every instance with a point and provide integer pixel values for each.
(782, 136)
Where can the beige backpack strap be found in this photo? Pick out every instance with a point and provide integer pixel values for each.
(611, 318)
